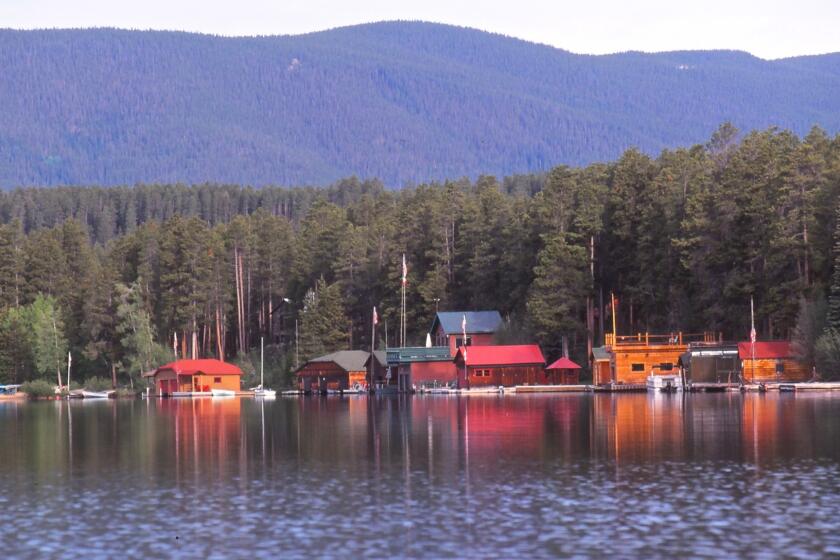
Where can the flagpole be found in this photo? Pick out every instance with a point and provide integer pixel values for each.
(464, 349)
(372, 346)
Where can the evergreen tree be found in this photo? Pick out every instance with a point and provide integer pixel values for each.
(324, 326)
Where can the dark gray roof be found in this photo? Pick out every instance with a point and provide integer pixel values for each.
(418, 354)
(478, 322)
(348, 360)
(600, 353)
(380, 357)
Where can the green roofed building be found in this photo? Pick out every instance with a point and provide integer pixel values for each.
(421, 366)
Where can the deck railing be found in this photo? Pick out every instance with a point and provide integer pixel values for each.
(648, 339)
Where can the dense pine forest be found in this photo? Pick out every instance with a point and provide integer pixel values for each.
(683, 240)
(404, 102)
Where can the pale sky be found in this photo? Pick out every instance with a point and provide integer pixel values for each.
(768, 28)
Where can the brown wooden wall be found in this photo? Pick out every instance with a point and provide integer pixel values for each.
(506, 376)
(648, 356)
(316, 376)
(602, 372)
(765, 370)
(562, 376)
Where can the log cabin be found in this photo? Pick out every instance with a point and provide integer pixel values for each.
(481, 328)
(195, 376)
(770, 362)
(634, 358)
(500, 366)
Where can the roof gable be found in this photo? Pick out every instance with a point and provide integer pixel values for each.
(478, 322)
(519, 354)
(563, 363)
(600, 353)
(348, 360)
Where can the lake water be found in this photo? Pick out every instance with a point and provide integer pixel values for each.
(545, 475)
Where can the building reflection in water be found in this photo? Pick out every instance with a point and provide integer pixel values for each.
(203, 441)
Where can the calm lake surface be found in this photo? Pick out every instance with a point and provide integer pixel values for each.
(546, 475)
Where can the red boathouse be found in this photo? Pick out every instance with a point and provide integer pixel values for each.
(195, 376)
(506, 366)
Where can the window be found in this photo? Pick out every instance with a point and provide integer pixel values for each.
(637, 367)
(217, 380)
(482, 373)
(459, 341)
(666, 366)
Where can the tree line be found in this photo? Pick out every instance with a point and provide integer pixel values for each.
(683, 240)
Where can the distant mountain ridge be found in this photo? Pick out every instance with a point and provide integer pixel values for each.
(401, 101)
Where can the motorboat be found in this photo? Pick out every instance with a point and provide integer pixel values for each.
(222, 393)
(665, 383)
(11, 392)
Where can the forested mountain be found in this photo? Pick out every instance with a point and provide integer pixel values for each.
(402, 102)
(683, 240)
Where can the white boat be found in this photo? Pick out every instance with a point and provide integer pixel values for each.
(96, 394)
(664, 383)
(261, 391)
(222, 393)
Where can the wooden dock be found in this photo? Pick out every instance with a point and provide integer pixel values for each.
(809, 386)
(713, 387)
(621, 387)
(549, 389)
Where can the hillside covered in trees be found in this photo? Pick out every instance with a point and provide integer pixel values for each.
(402, 102)
(683, 240)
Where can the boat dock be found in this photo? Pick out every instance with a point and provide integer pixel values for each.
(551, 388)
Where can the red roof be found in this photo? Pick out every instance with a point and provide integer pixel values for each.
(563, 363)
(502, 355)
(208, 367)
(765, 350)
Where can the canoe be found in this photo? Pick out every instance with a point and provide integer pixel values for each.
(96, 394)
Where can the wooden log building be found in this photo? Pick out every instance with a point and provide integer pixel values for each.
(633, 358)
(770, 362)
(500, 366)
(340, 371)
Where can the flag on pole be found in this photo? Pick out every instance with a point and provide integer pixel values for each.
(752, 322)
(464, 336)
(175, 345)
(375, 316)
(404, 271)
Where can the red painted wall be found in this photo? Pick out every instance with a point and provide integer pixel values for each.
(429, 372)
(506, 376)
(475, 340)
